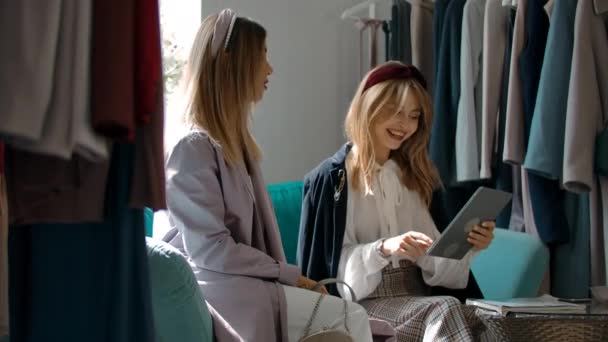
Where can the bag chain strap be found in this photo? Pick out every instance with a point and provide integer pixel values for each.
(316, 309)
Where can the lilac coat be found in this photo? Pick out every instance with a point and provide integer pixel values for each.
(226, 226)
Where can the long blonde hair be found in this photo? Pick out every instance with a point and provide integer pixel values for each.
(220, 90)
(418, 172)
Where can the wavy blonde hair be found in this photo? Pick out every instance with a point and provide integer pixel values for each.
(418, 172)
(220, 90)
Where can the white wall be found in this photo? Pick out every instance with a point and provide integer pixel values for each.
(315, 58)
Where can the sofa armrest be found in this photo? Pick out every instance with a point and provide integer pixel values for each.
(180, 311)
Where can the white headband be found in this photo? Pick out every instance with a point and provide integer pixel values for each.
(223, 30)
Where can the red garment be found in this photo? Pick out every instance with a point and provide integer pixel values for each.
(148, 181)
(148, 59)
(148, 186)
(113, 70)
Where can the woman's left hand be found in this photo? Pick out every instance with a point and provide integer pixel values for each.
(482, 235)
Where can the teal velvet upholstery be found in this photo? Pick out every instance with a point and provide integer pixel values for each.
(513, 266)
(287, 201)
(180, 312)
(148, 221)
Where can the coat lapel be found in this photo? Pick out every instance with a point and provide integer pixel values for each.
(246, 180)
(265, 215)
(339, 186)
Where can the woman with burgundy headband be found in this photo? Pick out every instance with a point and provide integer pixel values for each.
(365, 217)
(218, 206)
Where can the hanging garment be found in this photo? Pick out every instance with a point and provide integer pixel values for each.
(44, 189)
(545, 195)
(148, 189)
(395, 32)
(508, 177)
(596, 235)
(373, 24)
(67, 127)
(439, 15)
(586, 115)
(531, 61)
(86, 281)
(588, 98)
(446, 203)
(567, 259)
(468, 118)
(113, 69)
(405, 49)
(149, 171)
(421, 28)
(148, 69)
(4, 319)
(495, 40)
(604, 212)
(514, 135)
(387, 40)
(447, 94)
(498, 36)
(87, 142)
(27, 65)
(514, 151)
(545, 152)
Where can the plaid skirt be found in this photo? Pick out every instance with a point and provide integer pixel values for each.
(402, 299)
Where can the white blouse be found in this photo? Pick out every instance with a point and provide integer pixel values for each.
(391, 210)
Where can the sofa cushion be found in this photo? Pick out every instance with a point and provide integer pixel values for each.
(513, 266)
(180, 312)
(287, 201)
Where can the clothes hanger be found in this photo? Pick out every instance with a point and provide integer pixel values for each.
(509, 3)
(600, 6)
(349, 13)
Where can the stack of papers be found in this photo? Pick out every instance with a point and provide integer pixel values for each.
(543, 305)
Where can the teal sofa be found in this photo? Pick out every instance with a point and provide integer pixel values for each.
(179, 309)
(513, 266)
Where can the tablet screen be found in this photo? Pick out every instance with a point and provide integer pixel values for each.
(484, 205)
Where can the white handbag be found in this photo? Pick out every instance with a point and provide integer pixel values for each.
(328, 334)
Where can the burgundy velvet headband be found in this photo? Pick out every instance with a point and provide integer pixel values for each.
(394, 72)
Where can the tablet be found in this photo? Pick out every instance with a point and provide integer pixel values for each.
(484, 205)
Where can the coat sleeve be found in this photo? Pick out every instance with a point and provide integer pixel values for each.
(494, 43)
(587, 99)
(360, 265)
(467, 147)
(514, 131)
(196, 206)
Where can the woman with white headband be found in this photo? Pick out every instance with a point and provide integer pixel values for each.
(217, 201)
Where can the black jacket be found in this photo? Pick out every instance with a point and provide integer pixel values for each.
(322, 226)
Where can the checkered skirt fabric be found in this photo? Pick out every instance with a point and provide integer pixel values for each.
(401, 299)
